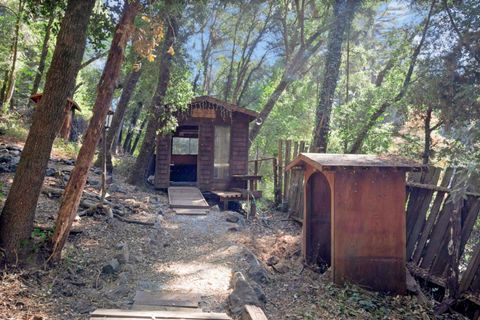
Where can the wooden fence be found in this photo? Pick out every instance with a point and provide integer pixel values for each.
(289, 188)
(430, 210)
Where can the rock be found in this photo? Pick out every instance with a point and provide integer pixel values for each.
(15, 152)
(242, 294)
(151, 180)
(281, 267)
(114, 188)
(119, 246)
(232, 218)
(93, 182)
(111, 267)
(123, 278)
(50, 172)
(258, 274)
(233, 229)
(6, 158)
(273, 260)
(124, 256)
(259, 292)
(82, 307)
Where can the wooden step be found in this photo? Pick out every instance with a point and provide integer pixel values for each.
(114, 314)
(190, 211)
(167, 299)
(186, 197)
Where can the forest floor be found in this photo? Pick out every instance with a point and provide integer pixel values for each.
(196, 254)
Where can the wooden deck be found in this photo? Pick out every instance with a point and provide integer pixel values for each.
(187, 201)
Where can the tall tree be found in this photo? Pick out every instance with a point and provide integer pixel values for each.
(133, 123)
(9, 82)
(127, 92)
(106, 87)
(157, 107)
(16, 220)
(363, 132)
(343, 11)
(298, 47)
(43, 55)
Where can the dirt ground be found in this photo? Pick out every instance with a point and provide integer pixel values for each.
(195, 254)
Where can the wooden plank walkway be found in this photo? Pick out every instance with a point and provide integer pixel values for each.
(114, 314)
(171, 305)
(187, 200)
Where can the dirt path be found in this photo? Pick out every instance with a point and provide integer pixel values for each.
(196, 254)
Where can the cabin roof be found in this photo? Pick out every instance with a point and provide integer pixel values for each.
(227, 105)
(322, 161)
(72, 104)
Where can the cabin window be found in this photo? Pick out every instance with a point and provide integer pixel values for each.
(184, 145)
(221, 164)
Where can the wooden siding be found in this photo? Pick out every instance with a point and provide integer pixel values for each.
(239, 148)
(239, 124)
(206, 134)
(162, 163)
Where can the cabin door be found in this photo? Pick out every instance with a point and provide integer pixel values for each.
(318, 221)
(183, 166)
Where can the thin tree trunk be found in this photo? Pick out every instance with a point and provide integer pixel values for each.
(428, 138)
(362, 134)
(127, 92)
(156, 110)
(131, 127)
(10, 86)
(106, 87)
(344, 11)
(16, 221)
(43, 56)
(132, 149)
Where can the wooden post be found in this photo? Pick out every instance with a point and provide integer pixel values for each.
(255, 172)
(276, 193)
(295, 149)
(301, 147)
(280, 170)
(286, 182)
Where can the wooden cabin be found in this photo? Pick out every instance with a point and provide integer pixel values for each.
(354, 217)
(209, 148)
(70, 108)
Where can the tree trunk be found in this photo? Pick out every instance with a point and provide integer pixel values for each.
(343, 11)
(267, 108)
(127, 92)
(132, 149)
(10, 85)
(16, 221)
(131, 127)
(106, 87)
(428, 138)
(156, 109)
(43, 57)
(362, 135)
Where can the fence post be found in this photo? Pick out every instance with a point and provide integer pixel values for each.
(280, 170)
(286, 186)
(276, 192)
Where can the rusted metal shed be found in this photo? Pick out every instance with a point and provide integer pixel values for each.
(354, 217)
(70, 108)
(209, 148)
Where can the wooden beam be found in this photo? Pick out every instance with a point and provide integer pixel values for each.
(253, 313)
(438, 188)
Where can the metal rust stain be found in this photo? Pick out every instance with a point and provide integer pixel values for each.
(369, 223)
